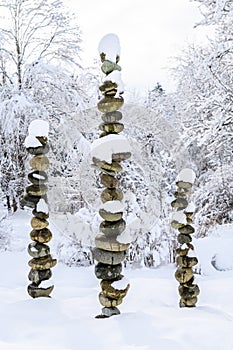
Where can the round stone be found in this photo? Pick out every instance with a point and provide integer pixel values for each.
(189, 292)
(39, 162)
(30, 201)
(37, 190)
(188, 302)
(179, 203)
(108, 302)
(40, 214)
(109, 66)
(186, 261)
(42, 263)
(110, 311)
(111, 195)
(106, 215)
(176, 224)
(187, 229)
(113, 228)
(179, 194)
(183, 275)
(107, 272)
(38, 224)
(38, 177)
(110, 243)
(37, 292)
(111, 117)
(109, 181)
(184, 185)
(114, 128)
(110, 104)
(38, 150)
(41, 236)
(182, 239)
(37, 276)
(38, 250)
(109, 291)
(119, 157)
(107, 257)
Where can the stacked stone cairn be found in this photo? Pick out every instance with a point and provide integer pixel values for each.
(107, 154)
(182, 220)
(36, 198)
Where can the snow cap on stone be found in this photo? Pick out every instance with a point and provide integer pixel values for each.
(39, 127)
(180, 217)
(31, 141)
(42, 206)
(190, 208)
(113, 206)
(186, 175)
(110, 46)
(115, 77)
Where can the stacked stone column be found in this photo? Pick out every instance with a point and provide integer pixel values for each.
(36, 198)
(185, 260)
(109, 252)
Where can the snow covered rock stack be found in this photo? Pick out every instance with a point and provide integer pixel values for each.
(36, 198)
(107, 154)
(182, 220)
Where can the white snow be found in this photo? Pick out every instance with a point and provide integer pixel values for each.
(180, 217)
(110, 45)
(104, 147)
(115, 77)
(38, 127)
(31, 141)
(186, 175)
(190, 208)
(38, 176)
(113, 206)
(121, 284)
(42, 206)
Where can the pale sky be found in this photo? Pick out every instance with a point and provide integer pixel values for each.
(150, 32)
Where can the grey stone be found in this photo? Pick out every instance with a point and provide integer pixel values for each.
(187, 229)
(113, 228)
(184, 238)
(33, 177)
(38, 250)
(37, 276)
(107, 272)
(110, 311)
(37, 292)
(110, 243)
(119, 157)
(112, 217)
(109, 66)
(37, 190)
(38, 150)
(30, 201)
(113, 128)
(179, 203)
(110, 104)
(107, 257)
(111, 117)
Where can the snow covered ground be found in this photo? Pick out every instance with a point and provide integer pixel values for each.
(150, 318)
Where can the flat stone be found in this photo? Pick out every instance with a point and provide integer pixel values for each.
(184, 185)
(110, 243)
(114, 128)
(112, 217)
(189, 292)
(119, 157)
(188, 302)
(113, 228)
(37, 190)
(111, 195)
(41, 236)
(38, 224)
(175, 224)
(187, 229)
(42, 263)
(107, 272)
(39, 162)
(182, 252)
(183, 275)
(109, 66)
(109, 291)
(111, 93)
(38, 150)
(38, 177)
(40, 214)
(186, 261)
(110, 104)
(107, 257)
(30, 201)
(179, 203)
(108, 86)
(110, 311)
(108, 302)
(182, 239)
(37, 292)
(114, 166)
(37, 276)
(181, 194)
(109, 181)
(112, 117)
(38, 250)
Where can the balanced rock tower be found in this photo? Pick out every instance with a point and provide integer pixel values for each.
(182, 220)
(107, 154)
(36, 198)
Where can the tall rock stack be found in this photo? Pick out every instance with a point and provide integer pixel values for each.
(182, 220)
(36, 198)
(107, 154)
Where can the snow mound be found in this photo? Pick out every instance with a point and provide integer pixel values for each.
(113, 206)
(180, 217)
(186, 175)
(42, 206)
(39, 127)
(110, 46)
(31, 141)
(115, 77)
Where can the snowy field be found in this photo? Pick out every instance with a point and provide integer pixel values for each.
(150, 319)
